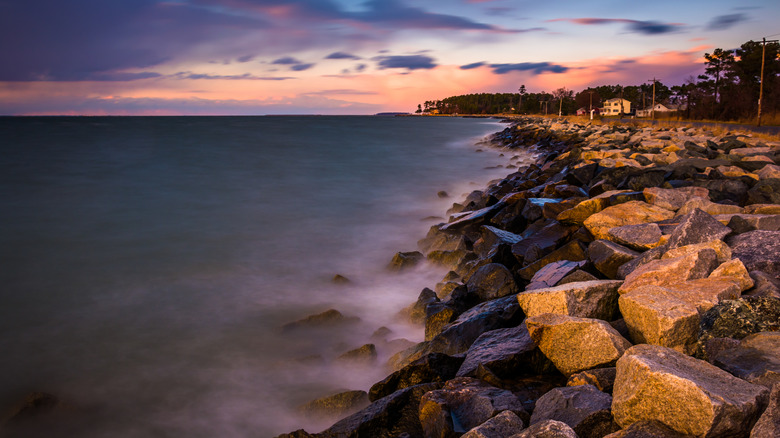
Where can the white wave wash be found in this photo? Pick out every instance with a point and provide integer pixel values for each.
(148, 263)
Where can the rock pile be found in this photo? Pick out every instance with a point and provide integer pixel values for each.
(641, 264)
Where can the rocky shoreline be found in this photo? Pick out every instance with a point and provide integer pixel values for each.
(625, 285)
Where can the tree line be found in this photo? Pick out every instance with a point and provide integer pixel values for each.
(728, 90)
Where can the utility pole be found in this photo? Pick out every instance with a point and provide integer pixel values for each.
(590, 106)
(560, 104)
(652, 109)
(761, 84)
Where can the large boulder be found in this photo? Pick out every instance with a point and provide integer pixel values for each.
(576, 344)
(458, 336)
(433, 367)
(387, 417)
(463, 404)
(629, 213)
(708, 207)
(541, 238)
(688, 395)
(492, 281)
(758, 250)
(584, 408)
(588, 299)
(669, 316)
(756, 359)
(505, 352)
(505, 424)
(640, 237)
(666, 272)
(673, 199)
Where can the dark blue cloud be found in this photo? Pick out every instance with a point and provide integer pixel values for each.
(723, 22)
(342, 55)
(243, 77)
(534, 67)
(286, 60)
(245, 58)
(652, 27)
(472, 65)
(301, 67)
(409, 62)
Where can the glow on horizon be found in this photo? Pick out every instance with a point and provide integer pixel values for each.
(344, 57)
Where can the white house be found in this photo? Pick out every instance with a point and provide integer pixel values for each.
(659, 108)
(613, 107)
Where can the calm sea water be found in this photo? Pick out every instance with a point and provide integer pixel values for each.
(146, 264)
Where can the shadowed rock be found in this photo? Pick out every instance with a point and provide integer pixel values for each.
(648, 429)
(584, 408)
(696, 227)
(337, 405)
(768, 426)
(506, 352)
(602, 378)
(547, 429)
(492, 281)
(756, 359)
(758, 250)
(404, 260)
(433, 367)
(553, 273)
(737, 319)
(505, 424)
(608, 256)
(328, 318)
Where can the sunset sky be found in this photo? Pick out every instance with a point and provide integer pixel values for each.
(345, 56)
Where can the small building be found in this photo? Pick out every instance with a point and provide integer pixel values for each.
(659, 108)
(616, 106)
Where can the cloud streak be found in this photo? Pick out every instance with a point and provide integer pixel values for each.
(409, 62)
(636, 26)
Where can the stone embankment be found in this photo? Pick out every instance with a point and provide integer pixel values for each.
(626, 285)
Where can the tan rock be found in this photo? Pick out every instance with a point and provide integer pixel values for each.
(708, 207)
(734, 172)
(749, 152)
(669, 271)
(769, 171)
(734, 270)
(576, 344)
(721, 250)
(762, 209)
(629, 213)
(673, 199)
(587, 208)
(689, 395)
(588, 299)
(669, 316)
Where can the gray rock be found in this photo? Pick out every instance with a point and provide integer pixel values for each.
(696, 227)
(758, 250)
(502, 425)
(756, 359)
(492, 237)
(584, 408)
(492, 281)
(547, 429)
(552, 274)
(463, 404)
(506, 352)
(648, 429)
(608, 256)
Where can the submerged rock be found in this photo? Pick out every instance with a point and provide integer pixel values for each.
(433, 367)
(337, 405)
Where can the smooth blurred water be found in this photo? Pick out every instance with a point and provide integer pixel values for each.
(146, 264)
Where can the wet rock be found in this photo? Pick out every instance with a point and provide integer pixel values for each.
(433, 367)
(436, 240)
(506, 352)
(725, 189)
(448, 259)
(442, 194)
(463, 404)
(639, 237)
(768, 426)
(437, 316)
(758, 250)
(560, 338)
(584, 408)
(629, 213)
(608, 256)
(686, 394)
(405, 260)
(387, 417)
(340, 279)
(547, 429)
(591, 299)
(365, 354)
(492, 237)
(337, 405)
(328, 318)
(670, 271)
(415, 312)
(602, 378)
(505, 424)
(533, 208)
(492, 281)
(696, 227)
(572, 251)
(545, 238)
(756, 359)
(457, 337)
(553, 273)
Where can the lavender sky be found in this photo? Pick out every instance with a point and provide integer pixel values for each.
(345, 56)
